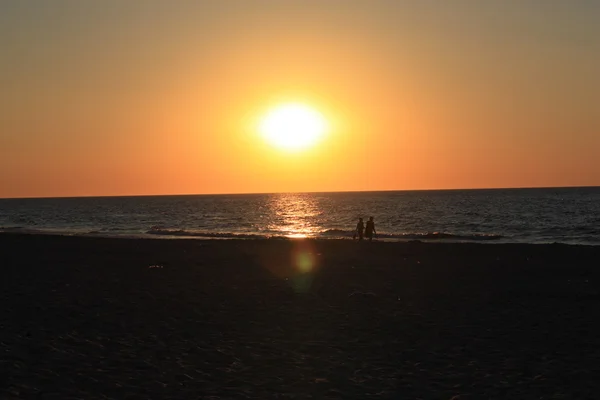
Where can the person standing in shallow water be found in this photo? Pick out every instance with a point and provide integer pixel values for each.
(370, 230)
(360, 229)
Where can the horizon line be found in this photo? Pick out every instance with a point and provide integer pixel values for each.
(297, 192)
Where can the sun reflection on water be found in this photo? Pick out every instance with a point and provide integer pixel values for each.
(293, 215)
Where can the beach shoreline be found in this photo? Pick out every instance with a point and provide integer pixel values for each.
(152, 318)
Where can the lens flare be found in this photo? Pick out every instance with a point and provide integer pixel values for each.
(304, 261)
(304, 264)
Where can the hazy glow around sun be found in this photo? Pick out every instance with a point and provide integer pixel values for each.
(293, 126)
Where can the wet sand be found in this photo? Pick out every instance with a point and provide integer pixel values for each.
(95, 318)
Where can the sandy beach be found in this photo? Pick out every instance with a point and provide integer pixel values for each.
(94, 318)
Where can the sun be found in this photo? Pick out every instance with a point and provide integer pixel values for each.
(293, 126)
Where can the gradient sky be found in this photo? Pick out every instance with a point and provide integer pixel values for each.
(132, 97)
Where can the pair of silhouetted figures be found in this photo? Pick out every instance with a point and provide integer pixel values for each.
(362, 231)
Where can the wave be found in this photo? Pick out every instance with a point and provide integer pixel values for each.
(34, 231)
(337, 233)
(419, 236)
(108, 230)
(13, 229)
(219, 235)
(327, 234)
(450, 236)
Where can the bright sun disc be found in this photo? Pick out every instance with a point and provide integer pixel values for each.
(293, 126)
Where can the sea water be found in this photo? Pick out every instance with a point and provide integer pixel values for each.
(562, 215)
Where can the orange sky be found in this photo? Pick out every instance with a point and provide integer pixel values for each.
(149, 97)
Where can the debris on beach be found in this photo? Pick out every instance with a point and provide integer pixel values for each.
(362, 293)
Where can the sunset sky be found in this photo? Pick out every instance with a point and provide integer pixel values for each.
(118, 97)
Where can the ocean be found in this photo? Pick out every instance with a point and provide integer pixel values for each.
(549, 215)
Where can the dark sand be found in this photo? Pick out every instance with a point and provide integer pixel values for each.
(87, 318)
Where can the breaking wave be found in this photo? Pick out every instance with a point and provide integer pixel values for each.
(327, 234)
(419, 236)
(215, 235)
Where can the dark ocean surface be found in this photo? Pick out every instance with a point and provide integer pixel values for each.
(562, 215)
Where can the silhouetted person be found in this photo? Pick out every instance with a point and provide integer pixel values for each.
(370, 230)
(360, 229)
